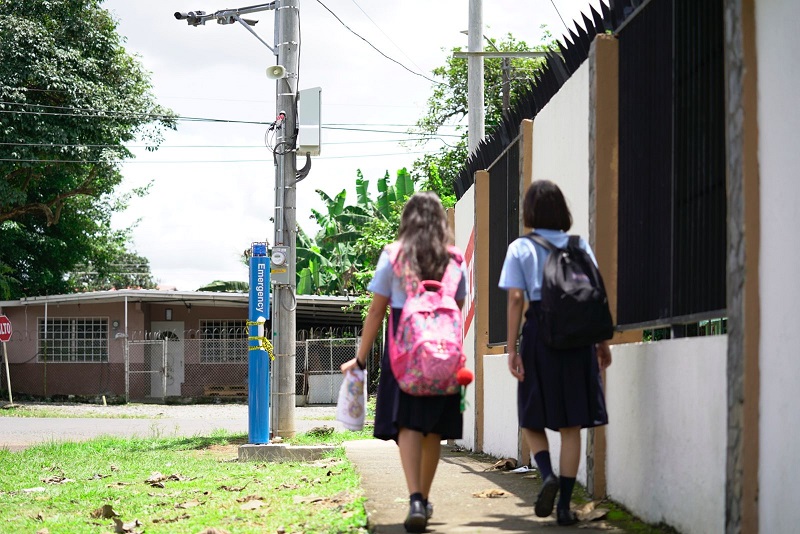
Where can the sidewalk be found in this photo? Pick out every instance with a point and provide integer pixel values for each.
(456, 510)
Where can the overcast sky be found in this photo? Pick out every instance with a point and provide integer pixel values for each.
(212, 190)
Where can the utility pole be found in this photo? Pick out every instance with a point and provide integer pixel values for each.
(284, 253)
(476, 128)
(284, 326)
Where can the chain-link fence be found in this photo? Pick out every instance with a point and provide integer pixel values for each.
(318, 365)
(154, 366)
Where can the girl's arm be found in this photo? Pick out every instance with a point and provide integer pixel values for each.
(516, 303)
(372, 324)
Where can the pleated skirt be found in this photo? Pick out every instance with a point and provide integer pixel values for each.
(562, 388)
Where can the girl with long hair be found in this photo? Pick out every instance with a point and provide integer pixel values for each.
(418, 424)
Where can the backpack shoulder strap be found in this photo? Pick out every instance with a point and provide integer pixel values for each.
(452, 274)
(574, 241)
(400, 268)
(536, 238)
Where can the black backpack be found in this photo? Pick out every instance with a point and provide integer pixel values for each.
(574, 309)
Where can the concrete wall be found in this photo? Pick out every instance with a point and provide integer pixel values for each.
(500, 419)
(666, 437)
(778, 126)
(561, 145)
(465, 240)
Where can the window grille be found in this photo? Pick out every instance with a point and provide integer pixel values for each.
(223, 341)
(73, 340)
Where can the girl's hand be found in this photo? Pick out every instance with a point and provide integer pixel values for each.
(515, 365)
(350, 365)
(603, 355)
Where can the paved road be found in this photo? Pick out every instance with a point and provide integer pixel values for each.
(16, 433)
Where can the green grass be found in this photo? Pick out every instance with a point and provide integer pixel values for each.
(58, 486)
(64, 413)
(327, 436)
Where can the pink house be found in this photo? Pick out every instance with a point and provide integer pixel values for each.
(144, 344)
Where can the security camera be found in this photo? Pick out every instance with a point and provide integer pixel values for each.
(193, 18)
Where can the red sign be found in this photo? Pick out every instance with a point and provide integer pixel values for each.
(5, 328)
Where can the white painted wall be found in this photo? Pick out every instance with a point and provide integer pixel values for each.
(777, 43)
(667, 436)
(500, 427)
(561, 146)
(465, 225)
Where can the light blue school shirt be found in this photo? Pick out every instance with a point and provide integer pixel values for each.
(385, 283)
(523, 267)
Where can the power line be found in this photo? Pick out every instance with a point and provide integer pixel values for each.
(58, 145)
(385, 35)
(101, 114)
(376, 48)
(200, 161)
(559, 14)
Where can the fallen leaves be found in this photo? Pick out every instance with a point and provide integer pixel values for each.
(171, 519)
(56, 479)
(255, 504)
(505, 464)
(590, 511)
(104, 512)
(491, 493)
(188, 504)
(126, 528)
(157, 480)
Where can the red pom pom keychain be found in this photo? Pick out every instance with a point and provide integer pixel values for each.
(464, 377)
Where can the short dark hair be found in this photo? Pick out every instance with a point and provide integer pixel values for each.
(545, 207)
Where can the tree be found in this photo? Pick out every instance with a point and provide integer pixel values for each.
(125, 270)
(70, 98)
(340, 257)
(226, 286)
(448, 106)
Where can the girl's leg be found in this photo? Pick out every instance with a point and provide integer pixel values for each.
(537, 442)
(570, 459)
(431, 450)
(540, 449)
(410, 445)
(570, 451)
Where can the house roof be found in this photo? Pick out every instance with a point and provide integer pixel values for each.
(311, 309)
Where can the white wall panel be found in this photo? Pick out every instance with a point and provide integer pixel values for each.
(667, 436)
(777, 43)
(561, 145)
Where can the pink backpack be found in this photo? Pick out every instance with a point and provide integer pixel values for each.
(426, 350)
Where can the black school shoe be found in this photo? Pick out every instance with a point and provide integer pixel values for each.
(566, 517)
(417, 518)
(546, 497)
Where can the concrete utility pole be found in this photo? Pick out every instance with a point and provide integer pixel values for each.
(476, 128)
(284, 252)
(284, 325)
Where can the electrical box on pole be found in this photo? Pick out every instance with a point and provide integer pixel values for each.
(309, 106)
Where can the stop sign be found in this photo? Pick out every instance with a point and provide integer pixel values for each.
(5, 328)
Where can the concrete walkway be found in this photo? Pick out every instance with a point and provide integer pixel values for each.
(459, 478)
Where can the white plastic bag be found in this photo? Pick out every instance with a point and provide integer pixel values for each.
(352, 403)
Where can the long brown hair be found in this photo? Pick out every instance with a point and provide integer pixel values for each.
(425, 235)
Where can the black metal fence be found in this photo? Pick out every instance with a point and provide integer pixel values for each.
(504, 180)
(672, 206)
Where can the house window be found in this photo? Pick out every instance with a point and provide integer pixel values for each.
(73, 339)
(223, 341)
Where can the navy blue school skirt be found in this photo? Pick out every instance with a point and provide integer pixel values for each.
(562, 388)
(395, 409)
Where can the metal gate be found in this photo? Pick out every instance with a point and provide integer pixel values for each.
(146, 369)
